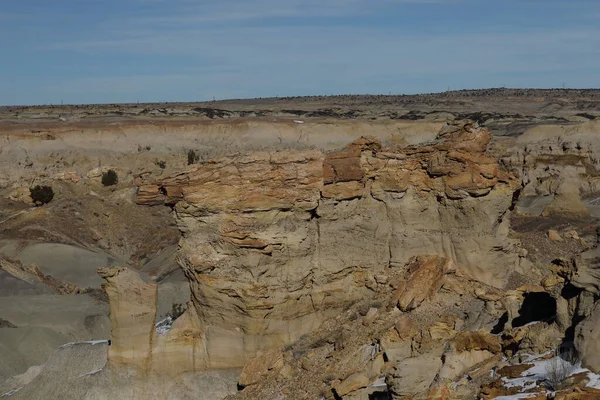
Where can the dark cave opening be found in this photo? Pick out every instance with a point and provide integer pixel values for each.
(379, 396)
(536, 306)
(569, 291)
(499, 327)
(515, 199)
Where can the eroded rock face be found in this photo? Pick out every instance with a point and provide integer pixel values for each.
(583, 272)
(135, 341)
(419, 353)
(132, 315)
(587, 340)
(275, 243)
(558, 167)
(422, 280)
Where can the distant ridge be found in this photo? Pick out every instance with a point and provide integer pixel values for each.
(361, 98)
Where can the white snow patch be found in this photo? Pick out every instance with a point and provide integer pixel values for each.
(531, 324)
(379, 382)
(298, 122)
(94, 372)
(516, 396)
(92, 342)
(594, 380)
(539, 372)
(164, 326)
(11, 392)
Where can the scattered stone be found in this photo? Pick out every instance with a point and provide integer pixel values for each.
(497, 389)
(554, 236)
(578, 393)
(22, 194)
(413, 375)
(351, 384)
(551, 280)
(513, 371)
(68, 176)
(481, 340)
(405, 326)
(572, 235)
(423, 280)
(370, 317)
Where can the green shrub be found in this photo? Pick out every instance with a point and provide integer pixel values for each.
(192, 157)
(41, 194)
(110, 178)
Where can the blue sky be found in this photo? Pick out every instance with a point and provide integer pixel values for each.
(104, 51)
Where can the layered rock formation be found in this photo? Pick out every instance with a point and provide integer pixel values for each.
(382, 269)
(410, 349)
(558, 167)
(276, 243)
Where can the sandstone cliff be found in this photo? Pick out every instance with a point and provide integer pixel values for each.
(276, 243)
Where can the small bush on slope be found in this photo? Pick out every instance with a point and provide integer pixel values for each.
(110, 178)
(41, 194)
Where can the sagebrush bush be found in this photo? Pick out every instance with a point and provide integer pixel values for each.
(561, 367)
(110, 178)
(41, 194)
(192, 157)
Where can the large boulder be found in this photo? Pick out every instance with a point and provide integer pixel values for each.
(413, 375)
(587, 340)
(422, 280)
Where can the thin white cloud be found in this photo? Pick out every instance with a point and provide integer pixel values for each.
(187, 12)
(262, 46)
(305, 61)
(239, 10)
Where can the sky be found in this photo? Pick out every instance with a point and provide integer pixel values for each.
(116, 51)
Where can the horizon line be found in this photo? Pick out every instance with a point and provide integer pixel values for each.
(288, 97)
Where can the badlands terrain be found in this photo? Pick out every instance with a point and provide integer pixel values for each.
(441, 246)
